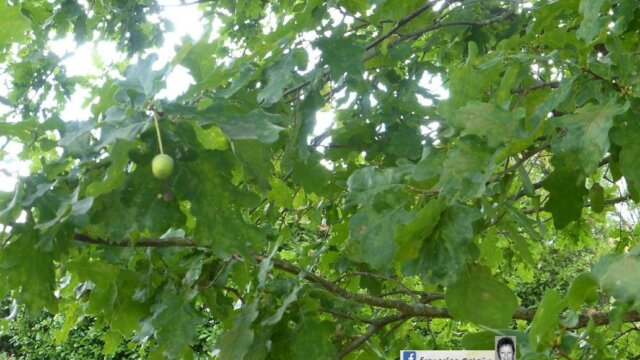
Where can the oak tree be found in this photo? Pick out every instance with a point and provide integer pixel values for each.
(480, 176)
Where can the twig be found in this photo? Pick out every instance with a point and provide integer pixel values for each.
(634, 328)
(525, 156)
(526, 90)
(377, 276)
(400, 24)
(373, 328)
(416, 34)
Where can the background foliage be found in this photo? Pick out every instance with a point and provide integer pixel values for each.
(416, 221)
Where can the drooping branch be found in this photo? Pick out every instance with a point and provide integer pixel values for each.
(406, 309)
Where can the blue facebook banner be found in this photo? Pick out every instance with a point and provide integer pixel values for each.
(409, 355)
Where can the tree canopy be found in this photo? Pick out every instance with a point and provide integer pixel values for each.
(480, 176)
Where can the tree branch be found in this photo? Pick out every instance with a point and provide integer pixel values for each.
(406, 309)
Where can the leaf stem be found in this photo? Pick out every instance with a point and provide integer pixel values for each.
(155, 121)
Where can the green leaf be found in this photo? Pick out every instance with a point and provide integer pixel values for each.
(586, 140)
(141, 76)
(343, 55)
(280, 76)
(590, 25)
(211, 138)
(298, 146)
(596, 197)
(114, 176)
(173, 323)
(409, 237)
(246, 73)
(13, 25)
(431, 165)
(478, 298)
(619, 274)
(141, 205)
(255, 125)
(624, 136)
(235, 343)
(314, 177)
(312, 338)
(290, 299)
(546, 320)
(583, 287)
(553, 99)
(567, 192)
(112, 340)
(123, 127)
(30, 270)
(14, 207)
(22, 130)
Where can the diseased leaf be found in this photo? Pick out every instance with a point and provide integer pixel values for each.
(216, 204)
(498, 127)
(372, 230)
(443, 254)
(466, 170)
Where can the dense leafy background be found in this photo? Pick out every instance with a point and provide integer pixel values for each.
(416, 221)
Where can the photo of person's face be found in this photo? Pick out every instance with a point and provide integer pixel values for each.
(505, 352)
